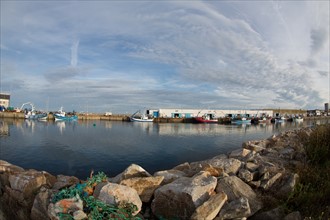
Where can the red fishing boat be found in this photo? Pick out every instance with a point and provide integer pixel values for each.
(206, 118)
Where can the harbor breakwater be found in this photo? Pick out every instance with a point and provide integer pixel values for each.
(245, 183)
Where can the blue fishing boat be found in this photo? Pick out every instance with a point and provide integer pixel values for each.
(62, 116)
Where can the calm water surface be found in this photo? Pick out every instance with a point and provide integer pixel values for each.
(74, 148)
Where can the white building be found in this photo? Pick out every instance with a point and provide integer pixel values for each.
(217, 113)
(4, 100)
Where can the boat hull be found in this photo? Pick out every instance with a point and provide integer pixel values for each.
(202, 120)
(65, 118)
(141, 120)
(39, 116)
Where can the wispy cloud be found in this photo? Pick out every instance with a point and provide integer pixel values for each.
(167, 54)
(74, 53)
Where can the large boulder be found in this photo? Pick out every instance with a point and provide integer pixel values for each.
(133, 170)
(180, 198)
(41, 202)
(115, 194)
(20, 190)
(145, 186)
(235, 188)
(170, 175)
(210, 209)
(236, 209)
(65, 181)
(28, 182)
(6, 167)
(221, 162)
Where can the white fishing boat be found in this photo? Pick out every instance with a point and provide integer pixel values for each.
(141, 117)
(32, 113)
(62, 116)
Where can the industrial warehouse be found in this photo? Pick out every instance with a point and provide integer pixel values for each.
(191, 113)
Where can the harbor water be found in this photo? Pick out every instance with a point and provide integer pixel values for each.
(76, 148)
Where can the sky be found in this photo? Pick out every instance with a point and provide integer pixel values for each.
(122, 56)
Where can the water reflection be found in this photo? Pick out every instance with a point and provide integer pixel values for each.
(61, 126)
(4, 129)
(166, 129)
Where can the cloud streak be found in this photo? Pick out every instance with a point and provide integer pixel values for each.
(74, 53)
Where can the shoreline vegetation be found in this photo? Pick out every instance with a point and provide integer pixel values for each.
(286, 176)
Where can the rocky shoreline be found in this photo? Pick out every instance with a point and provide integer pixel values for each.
(242, 184)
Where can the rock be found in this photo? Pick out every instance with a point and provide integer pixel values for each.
(27, 183)
(210, 209)
(239, 153)
(235, 188)
(293, 216)
(204, 167)
(228, 165)
(6, 167)
(286, 186)
(180, 198)
(145, 186)
(287, 153)
(39, 209)
(65, 181)
(13, 204)
(256, 146)
(236, 209)
(115, 194)
(132, 171)
(274, 214)
(267, 184)
(182, 167)
(251, 166)
(170, 175)
(245, 175)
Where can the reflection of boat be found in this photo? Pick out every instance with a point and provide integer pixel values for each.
(280, 119)
(265, 120)
(298, 119)
(206, 118)
(141, 117)
(62, 116)
(261, 120)
(242, 120)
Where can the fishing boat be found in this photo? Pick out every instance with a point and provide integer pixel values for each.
(62, 116)
(141, 117)
(32, 113)
(206, 118)
(42, 116)
(242, 120)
